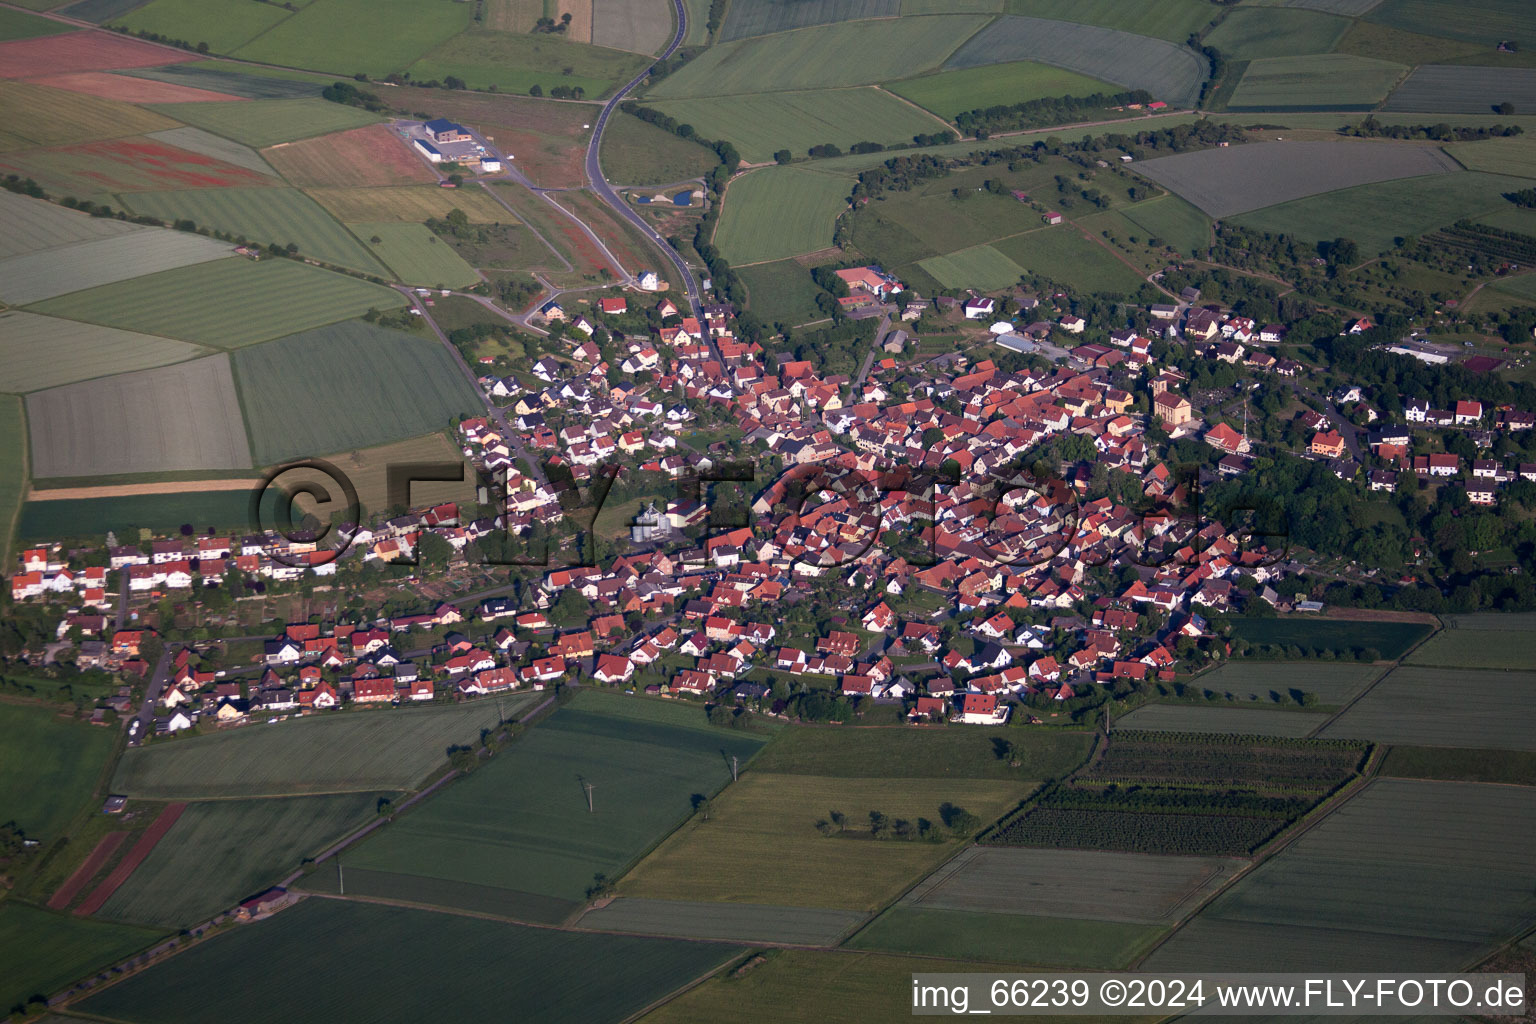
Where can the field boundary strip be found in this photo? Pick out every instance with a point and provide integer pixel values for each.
(103, 851)
(154, 487)
(136, 856)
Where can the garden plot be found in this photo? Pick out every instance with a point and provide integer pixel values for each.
(1438, 89)
(39, 352)
(43, 275)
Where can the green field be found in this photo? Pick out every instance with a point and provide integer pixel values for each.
(778, 212)
(682, 919)
(782, 292)
(93, 517)
(223, 24)
(44, 275)
(197, 140)
(1249, 679)
(356, 971)
(522, 822)
(637, 153)
(980, 266)
(970, 935)
(762, 17)
(35, 225)
(952, 92)
(1507, 767)
(1464, 90)
(13, 470)
(1229, 721)
(1063, 254)
(250, 82)
(1172, 20)
(761, 125)
(1170, 72)
(1253, 33)
(1319, 81)
(262, 123)
(44, 951)
(376, 37)
(1480, 21)
(515, 62)
(289, 389)
(42, 352)
(17, 25)
(220, 852)
(343, 752)
(1344, 636)
(1171, 221)
(1515, 155)
(226, 303)
(265, 216)
(49, 767)
(970, 753)
(858, 53)
(34, 115)
(1444, 708)
(416, 255)
(1478, 648)
(1376, 215)
(1406, 876)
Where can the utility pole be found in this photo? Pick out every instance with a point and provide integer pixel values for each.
(588, 787)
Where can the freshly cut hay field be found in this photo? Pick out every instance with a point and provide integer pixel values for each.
(347, 386)
(226, 303)
(347, 36)
(416, 255)
(1478, 648)
(1225, 182)
(760, 17)
(1436, 707)
(1258, 720)
(223, 24)
(761, 125)
(644, 26)
(126, 89)
(1464, 90)
(782, 292)
(948, 93)
(33, 115)
(371, 155)
(46, 951)
(368, 469)
(184, 416)
(521, 822)
(19, 25)
(1170, 72)
(515, 63)
(1376, 215)
(845, 54)
(13, 469)
(1063, 254)
(208, 144)
(356, 971)
(1172, 221)
(229, 79)
(1320, 81)
(683, 919)
(1516, 155)
(1129, 887)
(345, 752)
(43, 352)
(637, 153)
(973, 935)
(980, 266)
(1406, 876)
(91, 50)
(779, 212)
(927, 753)
(769, 820)
(1251, 33)
(412, 203)
(1172, 20)
(1479, 21)
(222, 851)
(262, 123)
(126, 165)
(43, 275)
(35, 225)
(48, 767)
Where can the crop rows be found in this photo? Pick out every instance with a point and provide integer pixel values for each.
(1482, 240)
(1138, 832)
(1241, 762)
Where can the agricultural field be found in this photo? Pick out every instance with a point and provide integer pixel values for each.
(902, 752)
(33, 115)
(778, 212)
(761, 125)
(976, 935)
(1342, 636)
(1172, 20)
(308, 393)
(1330, 682)
(184, 416)
(1347, 8)
(1224, 182)
(416, 255)
(44, 951)
(1479, 21)
(368, 469)
(980, 266)
(370, 155)
(94, 11)
(1478, 648)
(233, 80)
(770, 820)
(1464, 90)
(1507, 767)
(832, 56)
(522, 822)
(268, 216)
(262, 123)
(1230, 721)
(1516, 155)
(346, 752)
(354, 969)
(34, 225)
(637, 153)
(1172, 222)
(1322, 81)
(808, 926)
(39, 352)
(224, 25)
(762, 17)
(126, 165)
(782, 292)
(1254, 33)
(1063, 254)
(49, 767)
(13, 469)
(1405, 876)
(18, 25)
(129, 89)
(376, 37)
(80, 51)
(1437, 707)
(226, 303)
(1168, 71)
(222, 851)
(948, 93)
(54, 272)
(644, 26)
(1375, 216)
(516, 63)
(410, 203)
(196, 140)
(126, 514)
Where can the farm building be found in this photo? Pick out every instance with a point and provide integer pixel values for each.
(442, 130)
(428, 150)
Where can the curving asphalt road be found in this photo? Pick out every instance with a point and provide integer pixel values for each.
(605, 191)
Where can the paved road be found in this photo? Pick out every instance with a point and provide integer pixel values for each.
(874, 351)
(146, 715)
(1347, 430)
